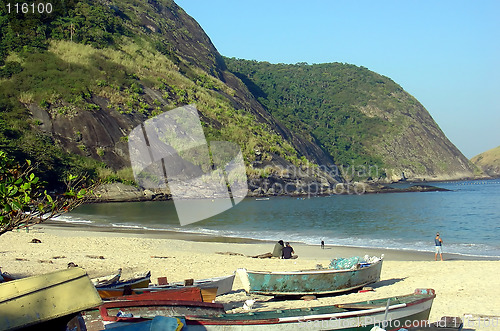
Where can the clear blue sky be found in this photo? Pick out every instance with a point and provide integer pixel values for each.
(445, 53)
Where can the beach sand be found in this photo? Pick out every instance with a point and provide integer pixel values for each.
(464, 285)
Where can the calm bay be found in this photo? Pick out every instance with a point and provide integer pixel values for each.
(467, 216)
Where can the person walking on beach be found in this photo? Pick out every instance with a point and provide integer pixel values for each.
(439, 244)
(322, 244)
(278, 249)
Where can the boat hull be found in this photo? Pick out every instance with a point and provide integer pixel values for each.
(135, 311)
(190, 293)
(415, 309)
(33, 300)
(223, 284)
(123, 287)
(309, 281)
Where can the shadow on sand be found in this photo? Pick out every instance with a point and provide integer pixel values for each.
(387, 282)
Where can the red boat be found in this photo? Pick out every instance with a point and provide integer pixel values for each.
(189, 293)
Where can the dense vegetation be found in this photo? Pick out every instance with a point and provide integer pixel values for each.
(79, 21)
(61, 62)
(110, 65)
(29, 74)
(24, 201)
(324, 101)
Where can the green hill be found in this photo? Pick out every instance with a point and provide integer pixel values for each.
(75, 81)
(72, 90)
(489, 162)
(357, 116)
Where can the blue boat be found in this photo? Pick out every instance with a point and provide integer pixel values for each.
(159, 323)
(321, 281)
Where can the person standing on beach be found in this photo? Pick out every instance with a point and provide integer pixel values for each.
(439, 244)
(322, 244)
(278, 249)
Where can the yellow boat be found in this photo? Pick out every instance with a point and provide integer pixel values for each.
(33, 300)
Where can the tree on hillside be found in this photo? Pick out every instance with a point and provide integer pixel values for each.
(24, 201)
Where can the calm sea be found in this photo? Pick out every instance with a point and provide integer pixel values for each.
(468, 218)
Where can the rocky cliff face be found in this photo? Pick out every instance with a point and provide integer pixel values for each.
(417, 149)
(197, 48)
(165, 60)
(170, 62)
(360, 117)
(489, 162)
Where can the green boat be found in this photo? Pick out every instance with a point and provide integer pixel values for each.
(390, 313)
(41, 299)
(321, 281)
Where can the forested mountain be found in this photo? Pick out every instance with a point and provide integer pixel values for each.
(74, 81)
(357, 116)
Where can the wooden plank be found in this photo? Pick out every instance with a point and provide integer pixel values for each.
(208, 294)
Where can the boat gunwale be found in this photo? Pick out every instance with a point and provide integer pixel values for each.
(352, 313)
(120, 286)
(196, 283)
(313, 271)
(275, 293)
(145, 302)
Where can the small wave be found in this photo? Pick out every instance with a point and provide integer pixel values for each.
(70, 219)
(472, 250)
(129, 226)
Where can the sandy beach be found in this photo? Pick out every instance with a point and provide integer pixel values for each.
(464, 285)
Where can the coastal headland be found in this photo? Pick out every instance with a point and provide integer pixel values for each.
(180, 256)
(119, 192)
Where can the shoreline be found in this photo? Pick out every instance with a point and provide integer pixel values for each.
(463, 285)
(390, 254)
(119, 192)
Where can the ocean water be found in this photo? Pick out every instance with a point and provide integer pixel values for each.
(467, 217)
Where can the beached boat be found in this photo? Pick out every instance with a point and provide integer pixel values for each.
(122, 312)
(107, 280)
(320, 281)
(124, 287)
(224, 284)
(388, 313)
(43, 299)
(5, 277)
(186, 293)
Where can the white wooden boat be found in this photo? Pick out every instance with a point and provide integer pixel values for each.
(224, 284)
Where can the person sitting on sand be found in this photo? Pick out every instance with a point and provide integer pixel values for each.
(439, 244)
(278, 249)
(288, 252)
